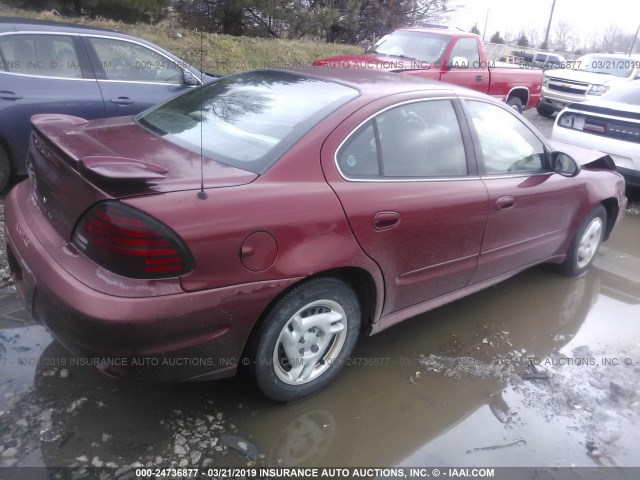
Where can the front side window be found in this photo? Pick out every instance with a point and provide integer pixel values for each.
(507, 145)
(247, 120)
(465, 54)
(416, 140)
(127, 61)
(39, 55)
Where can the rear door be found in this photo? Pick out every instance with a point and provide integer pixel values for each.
(530, 206)
(43, 73)
(411, 194)
(131, 75)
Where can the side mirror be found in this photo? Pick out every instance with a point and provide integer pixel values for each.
(564, 165)
(367, 48)
(189, 78)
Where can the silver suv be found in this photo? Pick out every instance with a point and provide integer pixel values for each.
(590, 76)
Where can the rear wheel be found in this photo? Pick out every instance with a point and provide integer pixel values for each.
(305, 339)
(586, 242)
(5, 169)
(544, 110)
(516, 104)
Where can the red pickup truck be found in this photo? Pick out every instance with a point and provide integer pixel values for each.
(450, 56)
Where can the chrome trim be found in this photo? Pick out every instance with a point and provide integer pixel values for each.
(496, 176)
(48, 77)
(183, 66)
(390, 179)
(137, 82)
(520, 87)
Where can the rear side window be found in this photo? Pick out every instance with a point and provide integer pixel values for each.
(247, 120)
(416, 140)
(39, 55)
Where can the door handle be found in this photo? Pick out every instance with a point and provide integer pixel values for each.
(504, 203)
(479, 78)
(122, 101)
(7, 95)
(385, 220)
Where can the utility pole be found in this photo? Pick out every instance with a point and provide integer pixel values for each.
(546, 36)
(634, 41)
(486, 19)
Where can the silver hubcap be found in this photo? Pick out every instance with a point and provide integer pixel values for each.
(589, 242)
(310, 342)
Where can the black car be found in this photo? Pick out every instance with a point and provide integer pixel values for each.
(50, 67)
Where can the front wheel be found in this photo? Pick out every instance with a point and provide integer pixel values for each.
(586, 242)
(305, 339)
(544, 110)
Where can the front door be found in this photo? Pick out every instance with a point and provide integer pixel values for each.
(530, 207)
(132, 76)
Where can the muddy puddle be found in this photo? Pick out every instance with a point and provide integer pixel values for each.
(538, 371)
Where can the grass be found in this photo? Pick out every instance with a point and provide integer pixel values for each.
(222, 54)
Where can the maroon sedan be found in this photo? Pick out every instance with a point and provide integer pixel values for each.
(267, 219)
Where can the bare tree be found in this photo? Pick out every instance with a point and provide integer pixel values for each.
(533, 37)
(563, 35)
(609, 38)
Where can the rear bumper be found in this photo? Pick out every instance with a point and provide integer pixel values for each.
(172, 337)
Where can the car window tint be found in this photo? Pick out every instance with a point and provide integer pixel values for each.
(40, 55)
(507, 144)
(421, 140)
(358, 157)
(466, 48)
(126, 61)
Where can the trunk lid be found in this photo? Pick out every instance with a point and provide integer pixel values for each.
(73, 164)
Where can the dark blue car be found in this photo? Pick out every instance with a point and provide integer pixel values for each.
(49, 67)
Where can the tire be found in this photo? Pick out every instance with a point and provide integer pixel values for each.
(5, 169)
(544, 110)
(585, 243)
(319, 322)
(516, 104)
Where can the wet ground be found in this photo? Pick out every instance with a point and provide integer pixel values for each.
(541, 370)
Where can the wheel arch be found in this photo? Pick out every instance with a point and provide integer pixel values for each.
(612, 209)
(358, 278)
(520, 92)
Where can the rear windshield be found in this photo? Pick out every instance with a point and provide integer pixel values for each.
(247, 120)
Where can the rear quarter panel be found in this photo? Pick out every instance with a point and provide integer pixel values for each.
(291, 201)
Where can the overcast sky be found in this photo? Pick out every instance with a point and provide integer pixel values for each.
(584, 16)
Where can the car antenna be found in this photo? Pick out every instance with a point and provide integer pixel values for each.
(202, 195)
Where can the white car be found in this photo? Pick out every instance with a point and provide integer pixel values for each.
(611, 124)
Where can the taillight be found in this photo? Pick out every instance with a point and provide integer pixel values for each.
(130, 243)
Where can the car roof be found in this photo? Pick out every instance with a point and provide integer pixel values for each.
(448, 31)
(18, 24)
